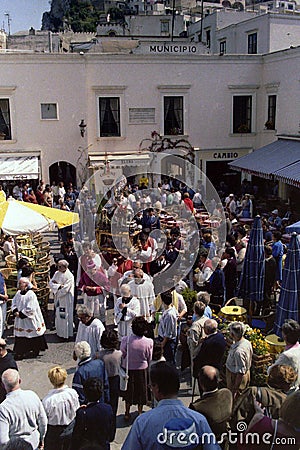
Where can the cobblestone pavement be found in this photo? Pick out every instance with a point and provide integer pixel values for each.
(34, 372)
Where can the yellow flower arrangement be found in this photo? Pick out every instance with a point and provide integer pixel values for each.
(260, 346)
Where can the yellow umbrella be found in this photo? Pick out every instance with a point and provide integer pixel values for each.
(21, 217)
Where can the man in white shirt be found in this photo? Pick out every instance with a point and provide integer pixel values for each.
(177, 197)
(167, 328)
(230, 204)
(21, 413)
(132, 201)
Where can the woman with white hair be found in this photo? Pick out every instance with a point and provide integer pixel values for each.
(29, 325)
(239, 360)
(127, 307)
(62, 286)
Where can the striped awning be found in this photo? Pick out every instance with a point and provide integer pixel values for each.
(279, 160)
(19, 168)
(289, 174)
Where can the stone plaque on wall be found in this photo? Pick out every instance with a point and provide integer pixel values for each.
(141, 115)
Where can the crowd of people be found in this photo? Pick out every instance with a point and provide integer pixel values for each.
(136, 359)
(66, 197)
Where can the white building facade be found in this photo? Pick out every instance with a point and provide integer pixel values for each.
(220, 104)
(233, 32)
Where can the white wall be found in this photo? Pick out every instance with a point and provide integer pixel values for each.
(284, 32)
(207, 83)
(274, 32)
(45, 79)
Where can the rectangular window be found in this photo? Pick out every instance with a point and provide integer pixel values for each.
(223, 47)
(270, 124)
(49, 111)
(208, 41)
(173, 115)
(5, 121)
(252, 44)
(165, 26)
(242, 113)
(109, 110)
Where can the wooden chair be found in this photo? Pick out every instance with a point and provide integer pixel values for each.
(11, 261)
(41, 268)
(23, 239)
(29, 251)
(37, 238)
(12, 280)
(42, 276)
(40, 255)
(44, 247)
(42, 291)
(234, 301)
(45, 261)
(6, 272)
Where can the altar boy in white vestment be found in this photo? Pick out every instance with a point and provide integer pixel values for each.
(62, 286)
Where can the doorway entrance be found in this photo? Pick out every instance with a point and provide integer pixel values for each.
(217, 171)
(63, 171)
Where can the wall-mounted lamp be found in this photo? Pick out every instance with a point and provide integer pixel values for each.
(82, 127)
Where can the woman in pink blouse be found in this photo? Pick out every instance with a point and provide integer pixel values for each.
(138, 349)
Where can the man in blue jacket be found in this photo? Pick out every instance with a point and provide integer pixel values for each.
(212, 349)
(170, 424)
(89, 368)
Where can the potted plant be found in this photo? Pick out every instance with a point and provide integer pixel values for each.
(270, 125)
(243, 128)
(190, 297)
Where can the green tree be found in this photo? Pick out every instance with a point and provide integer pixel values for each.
(82, 16)
(116, 15)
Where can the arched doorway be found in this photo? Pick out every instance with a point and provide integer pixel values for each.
(62, 171)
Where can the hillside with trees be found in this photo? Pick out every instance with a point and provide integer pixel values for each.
(75, 15)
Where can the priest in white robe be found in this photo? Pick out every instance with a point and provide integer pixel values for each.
(127, 307)
(62, 286)
(29, 324)
(144, 291)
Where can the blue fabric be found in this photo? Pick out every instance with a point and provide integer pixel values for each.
(289, 298)
(90, 368)
(2, 284)
(211, 352)
(277, 253)
(257, 323)
(93, 424)
(251, 285)
(271, 159)
(217, 282)
(147, 427)
(208, 312)
(294, 228)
